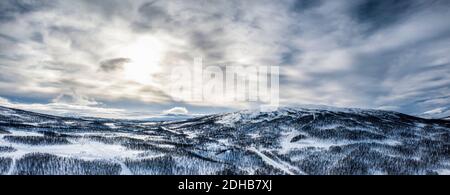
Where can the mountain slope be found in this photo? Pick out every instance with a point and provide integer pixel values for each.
(286, 141)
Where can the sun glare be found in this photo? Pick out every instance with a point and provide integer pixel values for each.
(145, 56)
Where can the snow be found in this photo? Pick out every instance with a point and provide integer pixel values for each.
(229, 119)
(124, 169)
(12, 167)
(421, 125)
(443, 171)
(224, 141)
(110, 135)
(148, 123)
(171, 131)
(22, 133)
(83, 149)
(329, 126)
(254, 135)
(252, 146)
(284, 166)
(8, 112)
(111, 125)
(287, 146)
(32, 124)
(79, 148)
(69, 122)
(191, 134)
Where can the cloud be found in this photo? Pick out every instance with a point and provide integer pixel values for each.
(363, 53)
(9, 9)
(74, 99)
(152, 16)
(113, 64)
(4, 101)
(176, 111)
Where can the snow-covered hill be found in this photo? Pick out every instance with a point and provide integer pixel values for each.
(286, 141)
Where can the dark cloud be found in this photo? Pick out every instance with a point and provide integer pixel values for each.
(113, 64)
(38, 37)
(62, 66)
(211, 45)
(157, 94)
(109, 9)
(8, 38)
(377, 14)
(151, 10)
(302, 5)
(152, 17)
(9, 9)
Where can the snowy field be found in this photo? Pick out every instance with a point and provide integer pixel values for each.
(287, 141)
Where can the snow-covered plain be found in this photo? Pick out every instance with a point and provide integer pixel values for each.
(286, 141)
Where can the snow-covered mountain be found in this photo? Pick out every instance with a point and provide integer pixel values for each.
(286, 141)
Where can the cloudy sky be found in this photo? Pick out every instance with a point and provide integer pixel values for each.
(113, 57)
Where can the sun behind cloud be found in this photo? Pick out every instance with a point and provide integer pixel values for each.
(145, 55)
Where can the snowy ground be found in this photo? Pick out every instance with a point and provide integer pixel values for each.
(287, 141)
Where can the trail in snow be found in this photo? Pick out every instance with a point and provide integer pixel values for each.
(12, 167)
(284, 166)
(124, 169)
